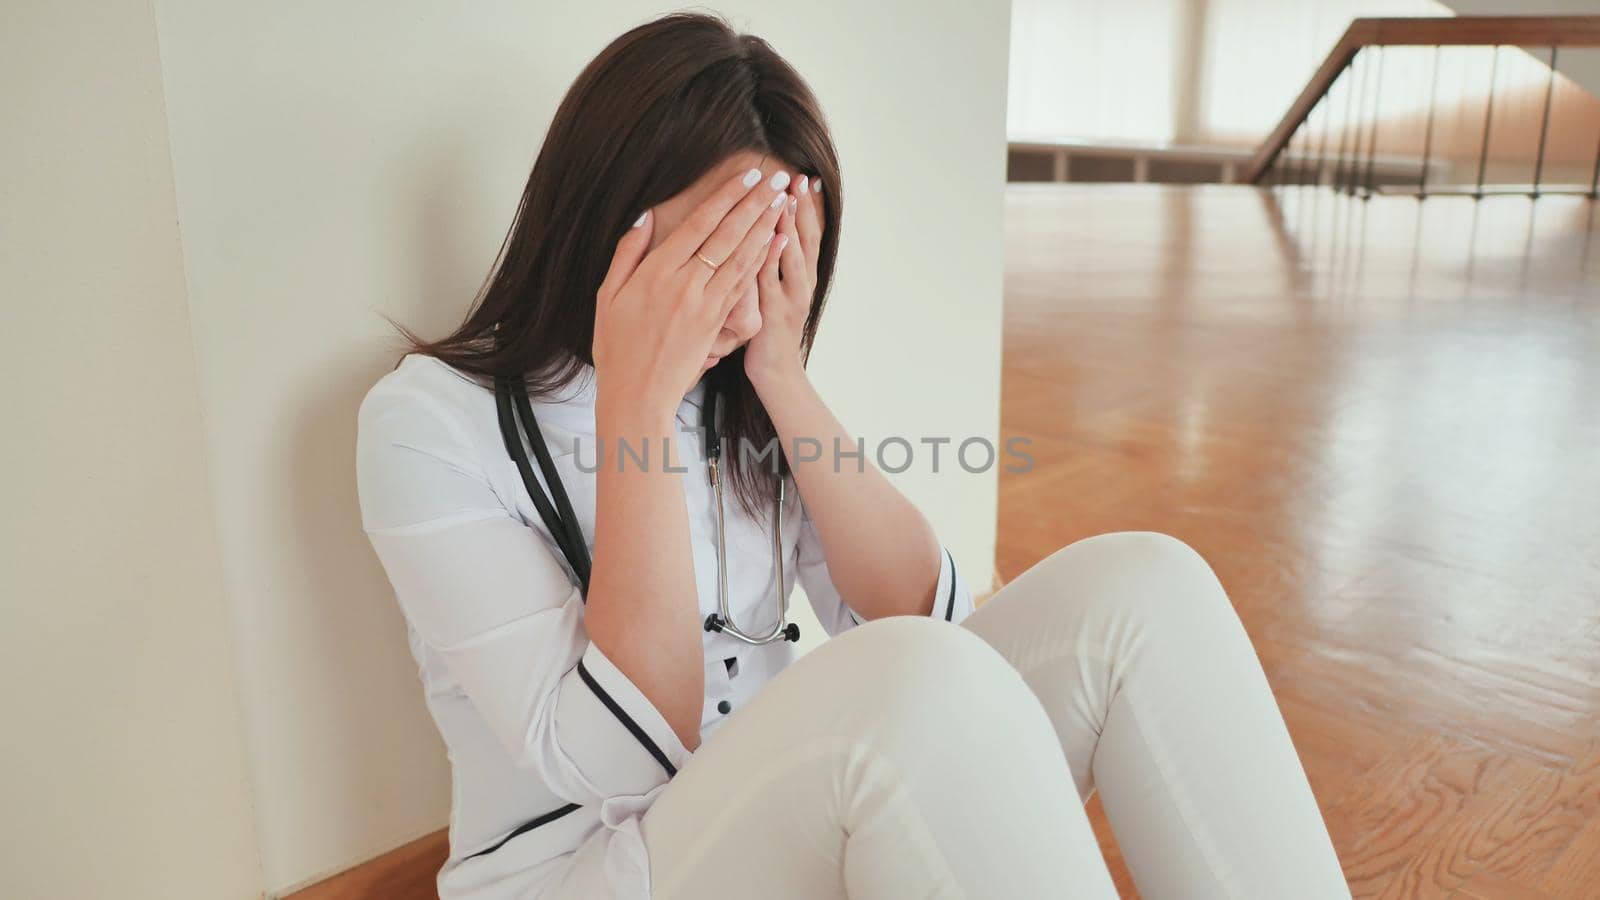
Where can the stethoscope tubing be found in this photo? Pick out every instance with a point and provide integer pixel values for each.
(722, 621)
(516, 417)
(561, 520)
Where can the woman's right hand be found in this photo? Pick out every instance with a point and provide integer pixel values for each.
(658, 313)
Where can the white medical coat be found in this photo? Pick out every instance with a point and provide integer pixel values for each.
(540, 726)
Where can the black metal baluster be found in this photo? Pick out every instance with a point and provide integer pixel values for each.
(1344, 131)
(1326, 105)
(1279, 168)
(1427, 134)
(1291, 175)
(1352, 176)
(1544, 124)
(1372, 139)
(1353, 173)
(1285, 160)
(1297, 170)
(1594, 180)
(1488, 120)
(1269, 178)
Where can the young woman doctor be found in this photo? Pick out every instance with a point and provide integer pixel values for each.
(674, 244)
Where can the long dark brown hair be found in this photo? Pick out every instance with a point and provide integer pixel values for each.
(660, 107)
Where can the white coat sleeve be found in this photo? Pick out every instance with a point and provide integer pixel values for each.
(952, 597)
(487, 594)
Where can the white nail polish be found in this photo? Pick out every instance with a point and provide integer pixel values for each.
(783, 241)
(777, 201)
(816, 185)
(780, 181)
(751, 177)
(642, 216)
(794, 204)
(804, 186)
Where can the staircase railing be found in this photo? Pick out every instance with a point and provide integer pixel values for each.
(1552, 32)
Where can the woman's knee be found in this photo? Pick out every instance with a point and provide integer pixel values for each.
(1145, 574)
(923, 651)
(1146, 550)
(936, 677)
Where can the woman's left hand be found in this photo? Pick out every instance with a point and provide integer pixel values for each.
(786, 282)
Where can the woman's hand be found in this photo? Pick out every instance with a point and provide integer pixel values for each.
(658, 312)
(785, 284)
(655, 318)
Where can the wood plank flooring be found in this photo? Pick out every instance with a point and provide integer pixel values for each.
(1380, 422)
(409, 872)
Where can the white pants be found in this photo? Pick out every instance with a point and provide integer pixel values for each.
(911, 758)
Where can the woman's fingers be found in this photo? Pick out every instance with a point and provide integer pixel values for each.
(743, 196)
(745, 219)
(631, 248)
(795, 264)
(706, 216)
(729, 278)
(808, 220)
(767, 278)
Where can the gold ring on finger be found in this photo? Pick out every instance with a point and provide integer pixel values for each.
(702, 257)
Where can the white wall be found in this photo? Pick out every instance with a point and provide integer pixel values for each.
(1171, 71)
(335, 160)
(122, 764)
(1581, 64)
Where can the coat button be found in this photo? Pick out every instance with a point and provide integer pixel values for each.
(724, 707)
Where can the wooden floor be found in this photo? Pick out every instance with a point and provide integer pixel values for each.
(1380, 422)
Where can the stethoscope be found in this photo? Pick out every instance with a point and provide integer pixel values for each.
(516, 414)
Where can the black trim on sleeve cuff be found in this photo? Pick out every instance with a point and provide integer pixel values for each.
(950, 605)
(528, 826)
(627, 720)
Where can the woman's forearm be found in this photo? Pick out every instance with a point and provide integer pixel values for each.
(643, 608)
(882, 554)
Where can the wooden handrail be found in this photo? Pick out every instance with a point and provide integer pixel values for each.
(1522, 31)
